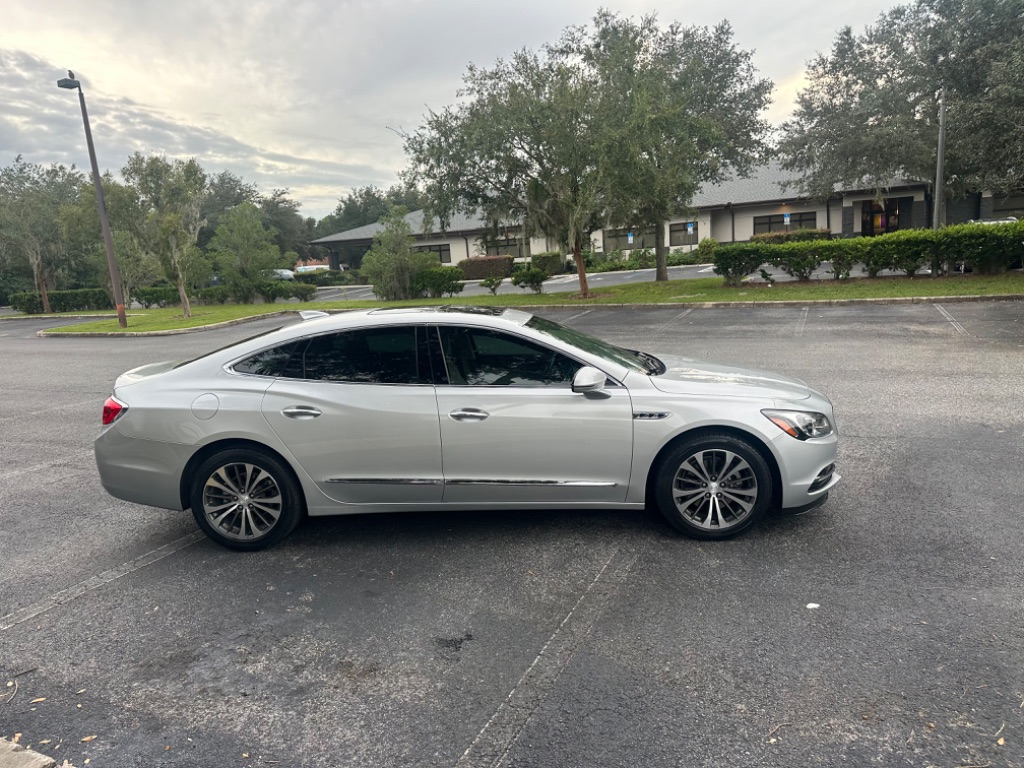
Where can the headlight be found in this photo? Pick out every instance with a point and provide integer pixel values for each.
(802, 425)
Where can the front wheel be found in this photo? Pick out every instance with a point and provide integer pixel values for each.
(713, 486)
(244, 499)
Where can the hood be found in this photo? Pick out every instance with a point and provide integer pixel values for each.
(135, 375)
(685, 376)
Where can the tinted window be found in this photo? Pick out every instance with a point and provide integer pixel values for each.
(367, 356)
(480, 357)
(269, 362)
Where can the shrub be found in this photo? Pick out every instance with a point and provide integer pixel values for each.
(242, 291)
(272, 290)
(986, 248)
(796, 259)
(737, 260)
(215, 294)
(440, 281)
(685, 258)
(551, 262)
(906, 250)
(532, 278)
(480, 267)
(641, 258)
(843, 254)
(706, 250)
(326, 277)
(302, 292)
(157, 297)
(492, 284)
(791, 236)
(79, 300)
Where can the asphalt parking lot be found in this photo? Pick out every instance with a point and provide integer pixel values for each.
(544, 638)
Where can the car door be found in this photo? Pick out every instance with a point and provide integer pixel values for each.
(512, 429)
(357, 410)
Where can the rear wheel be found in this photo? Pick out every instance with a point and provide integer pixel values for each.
(713, 486)
(244, 499)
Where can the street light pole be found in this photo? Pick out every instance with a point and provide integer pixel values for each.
(940, 182)
(108, 240)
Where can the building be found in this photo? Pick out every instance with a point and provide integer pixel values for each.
(731, 211)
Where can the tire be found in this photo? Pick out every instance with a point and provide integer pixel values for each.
(688, 493)
(244, 499)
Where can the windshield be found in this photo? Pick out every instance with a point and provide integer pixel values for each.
(635, 361)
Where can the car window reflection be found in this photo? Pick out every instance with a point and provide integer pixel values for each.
(481, 357)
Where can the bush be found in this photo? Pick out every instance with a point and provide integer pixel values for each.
(492, 284)
(440, 281)
(215, 294)
(685, 258)
(532, 278)
(326, 277)
(157, 297)
(797, 260)
(986, 248)
(552, 262)
(791, 236)
(906, 250)
(302, 291)
(737, 260)
(80, 300)
(480, 267)
(272, 290)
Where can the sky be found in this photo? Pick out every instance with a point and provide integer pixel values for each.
(311, 95)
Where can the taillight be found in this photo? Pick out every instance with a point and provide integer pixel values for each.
(112, 409)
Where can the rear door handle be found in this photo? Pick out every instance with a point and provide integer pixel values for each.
(468, 414)
(301, 412)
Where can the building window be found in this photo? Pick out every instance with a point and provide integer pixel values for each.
(778, 223)
(507, 247)
(443, 251)
(629, 239)
(683, 234)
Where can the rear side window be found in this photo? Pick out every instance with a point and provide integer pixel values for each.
(269, 362)
(367, 356)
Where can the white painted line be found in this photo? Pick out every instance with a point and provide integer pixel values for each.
(79, 454)
(959, 328)
(102, 579)
(801, 322)
(706, 269)
(578, 314)
(675, 319)
(492, 745)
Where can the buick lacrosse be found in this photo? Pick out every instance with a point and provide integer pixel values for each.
(450, 408)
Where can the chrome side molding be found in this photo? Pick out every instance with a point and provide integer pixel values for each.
(429, 481)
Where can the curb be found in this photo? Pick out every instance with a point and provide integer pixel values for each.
(541, 307)
(16, 756)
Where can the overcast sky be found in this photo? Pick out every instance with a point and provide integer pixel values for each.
(304, 94)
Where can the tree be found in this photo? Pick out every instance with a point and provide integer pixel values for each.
(224, 192)
(679, 107)
(393, 264)
(246, 246)
(869, 114)
(31, 197)
(170, 197)
(80, 226)
(519, 149)
(280, 214)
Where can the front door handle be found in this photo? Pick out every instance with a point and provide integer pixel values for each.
(301, 412)
(468, 414)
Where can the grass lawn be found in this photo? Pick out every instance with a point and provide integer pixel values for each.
(701, 290)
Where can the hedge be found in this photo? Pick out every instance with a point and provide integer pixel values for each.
(985, 248)
(62, 301)
(326, 277)
(481, 267)
(156, 297)
(439, 281)
(792, 236)
(552, 262)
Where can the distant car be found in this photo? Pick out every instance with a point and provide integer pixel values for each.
(313, 268)
(280, 274)
(458, 408)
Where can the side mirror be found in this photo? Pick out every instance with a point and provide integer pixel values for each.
(588, 379)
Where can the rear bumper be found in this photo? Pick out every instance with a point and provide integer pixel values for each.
(141, 471)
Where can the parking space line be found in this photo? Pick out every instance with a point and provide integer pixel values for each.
(83, 587)
(578, 314)
(802, 322)
(500, 733)
(678, 317)
(956, 326)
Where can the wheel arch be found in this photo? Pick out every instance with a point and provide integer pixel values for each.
(187, 475)
(755, 441)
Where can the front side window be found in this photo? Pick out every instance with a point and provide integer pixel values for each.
(365, 356)
(482, 357)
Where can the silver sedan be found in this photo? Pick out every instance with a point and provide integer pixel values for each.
(458, 408)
